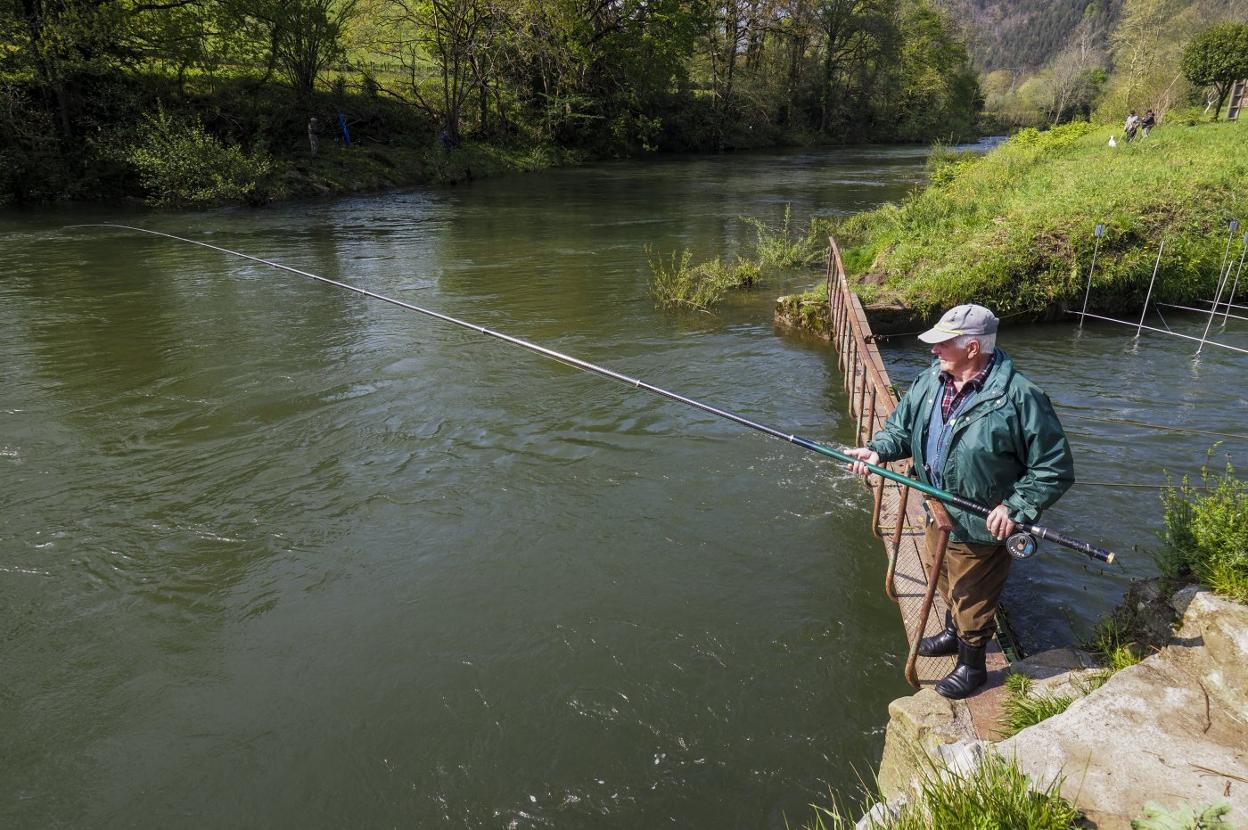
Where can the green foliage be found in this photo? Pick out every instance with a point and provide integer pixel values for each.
(996, 795)
(1024, 707)
(1015, 233)
(1183, 817)
(1217, 57)
(676, 283)
(178, 163)
(781, 247)
(1206, 532)
(1115, 645)
(945, 164)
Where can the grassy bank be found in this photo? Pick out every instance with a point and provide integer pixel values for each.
(1013, 229)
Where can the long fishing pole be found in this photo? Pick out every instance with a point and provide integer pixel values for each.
(949, 498)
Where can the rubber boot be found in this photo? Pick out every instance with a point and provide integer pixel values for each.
(967, 676)
(939, 645)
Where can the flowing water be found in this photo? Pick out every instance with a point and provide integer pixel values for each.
(275, 554)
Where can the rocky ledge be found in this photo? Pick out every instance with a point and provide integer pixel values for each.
(1172, 728)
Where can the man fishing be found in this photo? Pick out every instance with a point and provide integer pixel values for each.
(976, 427)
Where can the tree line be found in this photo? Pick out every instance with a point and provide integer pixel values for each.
(81, 80)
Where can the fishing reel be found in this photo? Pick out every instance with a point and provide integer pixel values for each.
(1022, 545)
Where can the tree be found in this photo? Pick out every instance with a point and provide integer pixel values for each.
(1217, 57)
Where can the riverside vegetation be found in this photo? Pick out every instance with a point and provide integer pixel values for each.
(199, 101)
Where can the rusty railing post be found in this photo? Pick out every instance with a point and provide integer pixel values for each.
(903, 499)
(942, 541)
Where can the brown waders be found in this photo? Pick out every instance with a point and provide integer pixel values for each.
(970, 582)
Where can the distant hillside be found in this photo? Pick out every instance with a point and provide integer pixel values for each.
(1024, 34)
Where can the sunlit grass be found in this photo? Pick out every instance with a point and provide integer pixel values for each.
(1013, 230)
(996, 795)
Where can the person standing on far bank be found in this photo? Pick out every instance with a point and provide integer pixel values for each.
(976, 427)
(314, 134)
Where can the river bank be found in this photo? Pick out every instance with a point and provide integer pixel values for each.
(1013, 229)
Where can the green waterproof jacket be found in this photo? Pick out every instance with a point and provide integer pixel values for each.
(1007, 448)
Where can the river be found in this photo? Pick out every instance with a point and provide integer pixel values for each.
(279, 555)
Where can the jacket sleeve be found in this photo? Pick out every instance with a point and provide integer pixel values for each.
(893, 441)
(1050, 464)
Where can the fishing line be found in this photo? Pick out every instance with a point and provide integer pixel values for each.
(1129, 422)
(949, 498)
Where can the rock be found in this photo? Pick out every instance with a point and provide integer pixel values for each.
(1221, 626)
(1149, 734)
(918, 726)
(881, 814)
(961, 757)
(1061, 671)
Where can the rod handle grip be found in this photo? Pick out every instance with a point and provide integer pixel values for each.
(1099, 554)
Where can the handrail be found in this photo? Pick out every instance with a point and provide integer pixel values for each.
(867, 380)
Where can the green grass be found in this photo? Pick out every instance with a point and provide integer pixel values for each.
(1024, 707)
(1206, 533)
(1013, 229)
(1115, 646)
(997, 795)
(676, 283)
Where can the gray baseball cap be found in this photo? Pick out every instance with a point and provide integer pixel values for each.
(961, 320)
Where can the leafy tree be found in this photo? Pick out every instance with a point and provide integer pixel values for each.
(1217, 57)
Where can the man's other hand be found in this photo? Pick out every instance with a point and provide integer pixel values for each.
(862, 454)
(998, 521)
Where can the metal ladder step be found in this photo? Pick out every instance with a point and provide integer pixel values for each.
(1237, 100)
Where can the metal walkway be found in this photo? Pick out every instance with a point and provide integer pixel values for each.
(898, 518)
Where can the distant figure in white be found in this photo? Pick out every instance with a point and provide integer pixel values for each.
(1133, 124)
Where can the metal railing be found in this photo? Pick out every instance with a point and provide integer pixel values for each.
(872, 399)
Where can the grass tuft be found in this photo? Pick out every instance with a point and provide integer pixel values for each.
(676, 283)
(1024, 707)
(996, 795)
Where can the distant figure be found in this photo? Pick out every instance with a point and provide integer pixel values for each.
(1133, 124)
(447, 142)
(1148, 122)
(314, 134)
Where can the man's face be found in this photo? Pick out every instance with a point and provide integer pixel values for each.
(955, 359)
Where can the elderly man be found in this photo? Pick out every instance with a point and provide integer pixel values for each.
(975, 427)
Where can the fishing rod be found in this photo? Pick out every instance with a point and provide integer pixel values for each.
(1020, 545)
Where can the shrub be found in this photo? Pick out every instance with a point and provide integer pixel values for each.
(1206, 532)
(179, 163)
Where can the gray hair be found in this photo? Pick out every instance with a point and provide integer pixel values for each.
(987, 342)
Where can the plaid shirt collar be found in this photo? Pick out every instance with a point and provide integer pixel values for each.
(951, 398)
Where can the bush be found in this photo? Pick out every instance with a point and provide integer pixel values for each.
(178, 163)
(1206, 532)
